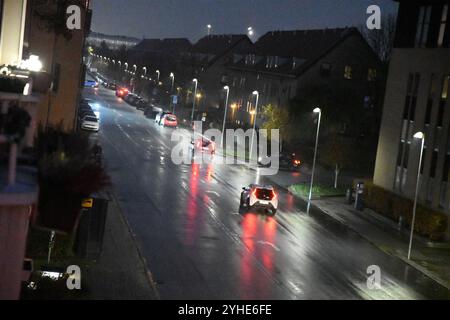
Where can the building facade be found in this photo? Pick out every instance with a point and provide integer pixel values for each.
(417, 100)
(283, 65)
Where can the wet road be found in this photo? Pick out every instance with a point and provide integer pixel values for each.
(197, 245)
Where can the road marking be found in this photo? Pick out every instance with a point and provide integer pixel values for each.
(270, 244)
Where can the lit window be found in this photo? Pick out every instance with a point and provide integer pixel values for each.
(348, 72)
(443, 25)
(372, 75)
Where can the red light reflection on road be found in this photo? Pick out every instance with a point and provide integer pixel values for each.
(259, 236)
(192, 207)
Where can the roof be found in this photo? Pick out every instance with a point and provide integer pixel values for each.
(163, 45)
(305, 46)
(218, 44)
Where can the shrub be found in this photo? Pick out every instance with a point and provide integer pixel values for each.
(430, 223)
(68, 172)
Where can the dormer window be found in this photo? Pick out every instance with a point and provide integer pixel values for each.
(348, 72)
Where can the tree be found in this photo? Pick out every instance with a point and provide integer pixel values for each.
(339, 155)
(381, 41)
(276, 119)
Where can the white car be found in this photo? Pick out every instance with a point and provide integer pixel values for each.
(260, 197)
(90, 123)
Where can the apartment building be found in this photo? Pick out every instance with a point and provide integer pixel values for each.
(417, 100)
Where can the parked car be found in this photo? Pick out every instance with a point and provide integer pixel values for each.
(143, 105)
(287, 161)
(160, 116)
(259, 197)
(169, 120)
(131, 98)
(90, 123)
(152, 111)
(91, 84)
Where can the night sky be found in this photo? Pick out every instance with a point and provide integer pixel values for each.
(188, 18)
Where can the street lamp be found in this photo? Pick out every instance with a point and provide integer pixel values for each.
(250, 31)
(421, 136)
(316, 110)
(158, 73)
(172, 76)
(209, 27)
(227, 88)
(135, 68)
(126, 66)
(193, 98)
(255, 93)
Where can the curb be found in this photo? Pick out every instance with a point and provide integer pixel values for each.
(148, 273)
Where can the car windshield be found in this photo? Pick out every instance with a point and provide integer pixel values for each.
(171, 118)
(91, 119)
(264, 194)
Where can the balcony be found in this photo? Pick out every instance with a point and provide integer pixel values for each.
(18, 181)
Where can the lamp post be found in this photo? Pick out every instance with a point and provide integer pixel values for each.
(193, 98)
(209, 27)
(172, 76)
(227, 88)
(421, 136)
(255, 93)
(126, 66)
(145, 72)
(316, 110)
(250, 31)
(158, 73)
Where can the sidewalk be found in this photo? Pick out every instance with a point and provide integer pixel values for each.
(429, 258)
(120, 272)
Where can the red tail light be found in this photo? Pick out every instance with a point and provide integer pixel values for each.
(254, 193)
(274, 195)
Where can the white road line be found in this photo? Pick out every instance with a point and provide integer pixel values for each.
(270, 244)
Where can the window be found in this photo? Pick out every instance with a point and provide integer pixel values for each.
(443, 101)
(443, 25)
(433, 164)
(348, 72)
(325, 69)
(372, 75)
(242, 83)
(423, 26)
(409, 111)
(446, 172)
(430, 100)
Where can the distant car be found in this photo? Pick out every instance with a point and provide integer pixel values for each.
(169, 120)
(131, 98)
(121, 92)
(287, 161)
(259, 197)
(111, 86)
(160, 116)
(203, 145)
(143, 105)
(90, 123)
(91, 84)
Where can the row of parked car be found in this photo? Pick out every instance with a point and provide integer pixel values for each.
(87, 118)
(162, 118)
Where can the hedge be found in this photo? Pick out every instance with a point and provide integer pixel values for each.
(429, 223)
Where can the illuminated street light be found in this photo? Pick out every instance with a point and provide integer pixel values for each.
(227, 89)
(158, 73)
(419, 136)
(193, 103)
(255, 93)
(126, 66)
(209, 27)
(317, 111)
(250, 31)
